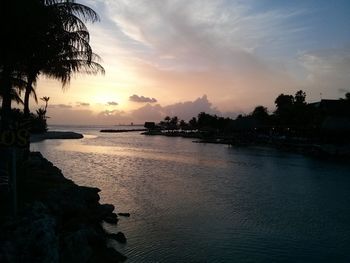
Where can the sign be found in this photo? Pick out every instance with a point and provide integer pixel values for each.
(17, 136)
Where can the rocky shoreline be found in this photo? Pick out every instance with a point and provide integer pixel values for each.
(57, 221)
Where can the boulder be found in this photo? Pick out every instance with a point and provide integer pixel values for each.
(112, 218)
(120, 237)
(124, 214)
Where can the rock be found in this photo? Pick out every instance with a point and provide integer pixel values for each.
(120, 237)
(106, 209)
(124, 214)
(75, 245)
(107, 255)
(111, 218)
(31, 238)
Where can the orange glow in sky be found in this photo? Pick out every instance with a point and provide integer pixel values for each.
(177, 57)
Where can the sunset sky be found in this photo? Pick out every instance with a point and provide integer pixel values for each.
(180, 57)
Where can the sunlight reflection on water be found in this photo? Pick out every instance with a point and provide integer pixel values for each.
(151, 154)
(211, 203)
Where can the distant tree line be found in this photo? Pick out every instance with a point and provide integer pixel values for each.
(292, 116)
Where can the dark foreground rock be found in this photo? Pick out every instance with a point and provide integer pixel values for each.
(58, 221)
(120, 237)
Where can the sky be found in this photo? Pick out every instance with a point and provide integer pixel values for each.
(224, 57)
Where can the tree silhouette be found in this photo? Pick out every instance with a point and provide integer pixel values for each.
(44, 37)
(46, 100)
(68, 40)
(173, 122)
(283, 102)
(183, 125)
(260, 113)
(167, 119)
(347, 96)
(193, 123)
(299, 97)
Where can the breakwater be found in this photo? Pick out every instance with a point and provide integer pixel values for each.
(120, 131)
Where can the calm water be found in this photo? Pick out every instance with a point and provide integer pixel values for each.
(194, 202)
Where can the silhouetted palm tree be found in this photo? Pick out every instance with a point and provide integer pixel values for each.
(16, 35)
(46, 99)
(69, 50)
(43, 37)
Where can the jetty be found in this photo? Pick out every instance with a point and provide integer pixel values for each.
(120, 131)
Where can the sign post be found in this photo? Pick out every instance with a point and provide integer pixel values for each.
(10, 142)
(14, 180)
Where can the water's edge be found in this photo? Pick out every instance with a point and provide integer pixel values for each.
(58, 221)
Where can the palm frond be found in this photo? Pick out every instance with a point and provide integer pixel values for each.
(83, 11)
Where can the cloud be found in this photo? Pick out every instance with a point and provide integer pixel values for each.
(63, 106)
(78, 116)
(148, 113)
(207, 33)
(239, 53)
(184, 110)
(83, 104)
(225, 49)
(189, 109)
(141, 99)
(112, 103)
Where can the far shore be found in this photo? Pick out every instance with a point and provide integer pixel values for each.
(55, 135)
(295, 145)
(120, 131)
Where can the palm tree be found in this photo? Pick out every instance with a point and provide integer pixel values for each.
(43, 37)
(14, 48)
(11, 85)
(68, 39)
(46, 99)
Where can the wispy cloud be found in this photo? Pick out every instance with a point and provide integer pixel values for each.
(203, 46)
(83, 104)
(240, 53)
(327, 69)
(203, 33)
(112, 103)
(62, 106)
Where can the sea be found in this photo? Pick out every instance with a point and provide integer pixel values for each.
(196, 202)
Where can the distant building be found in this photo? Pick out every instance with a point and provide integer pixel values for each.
(336, 115)
(332, 107)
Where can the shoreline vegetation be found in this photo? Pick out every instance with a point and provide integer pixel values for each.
(294, 145)
(319, 129)
(57, 220)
